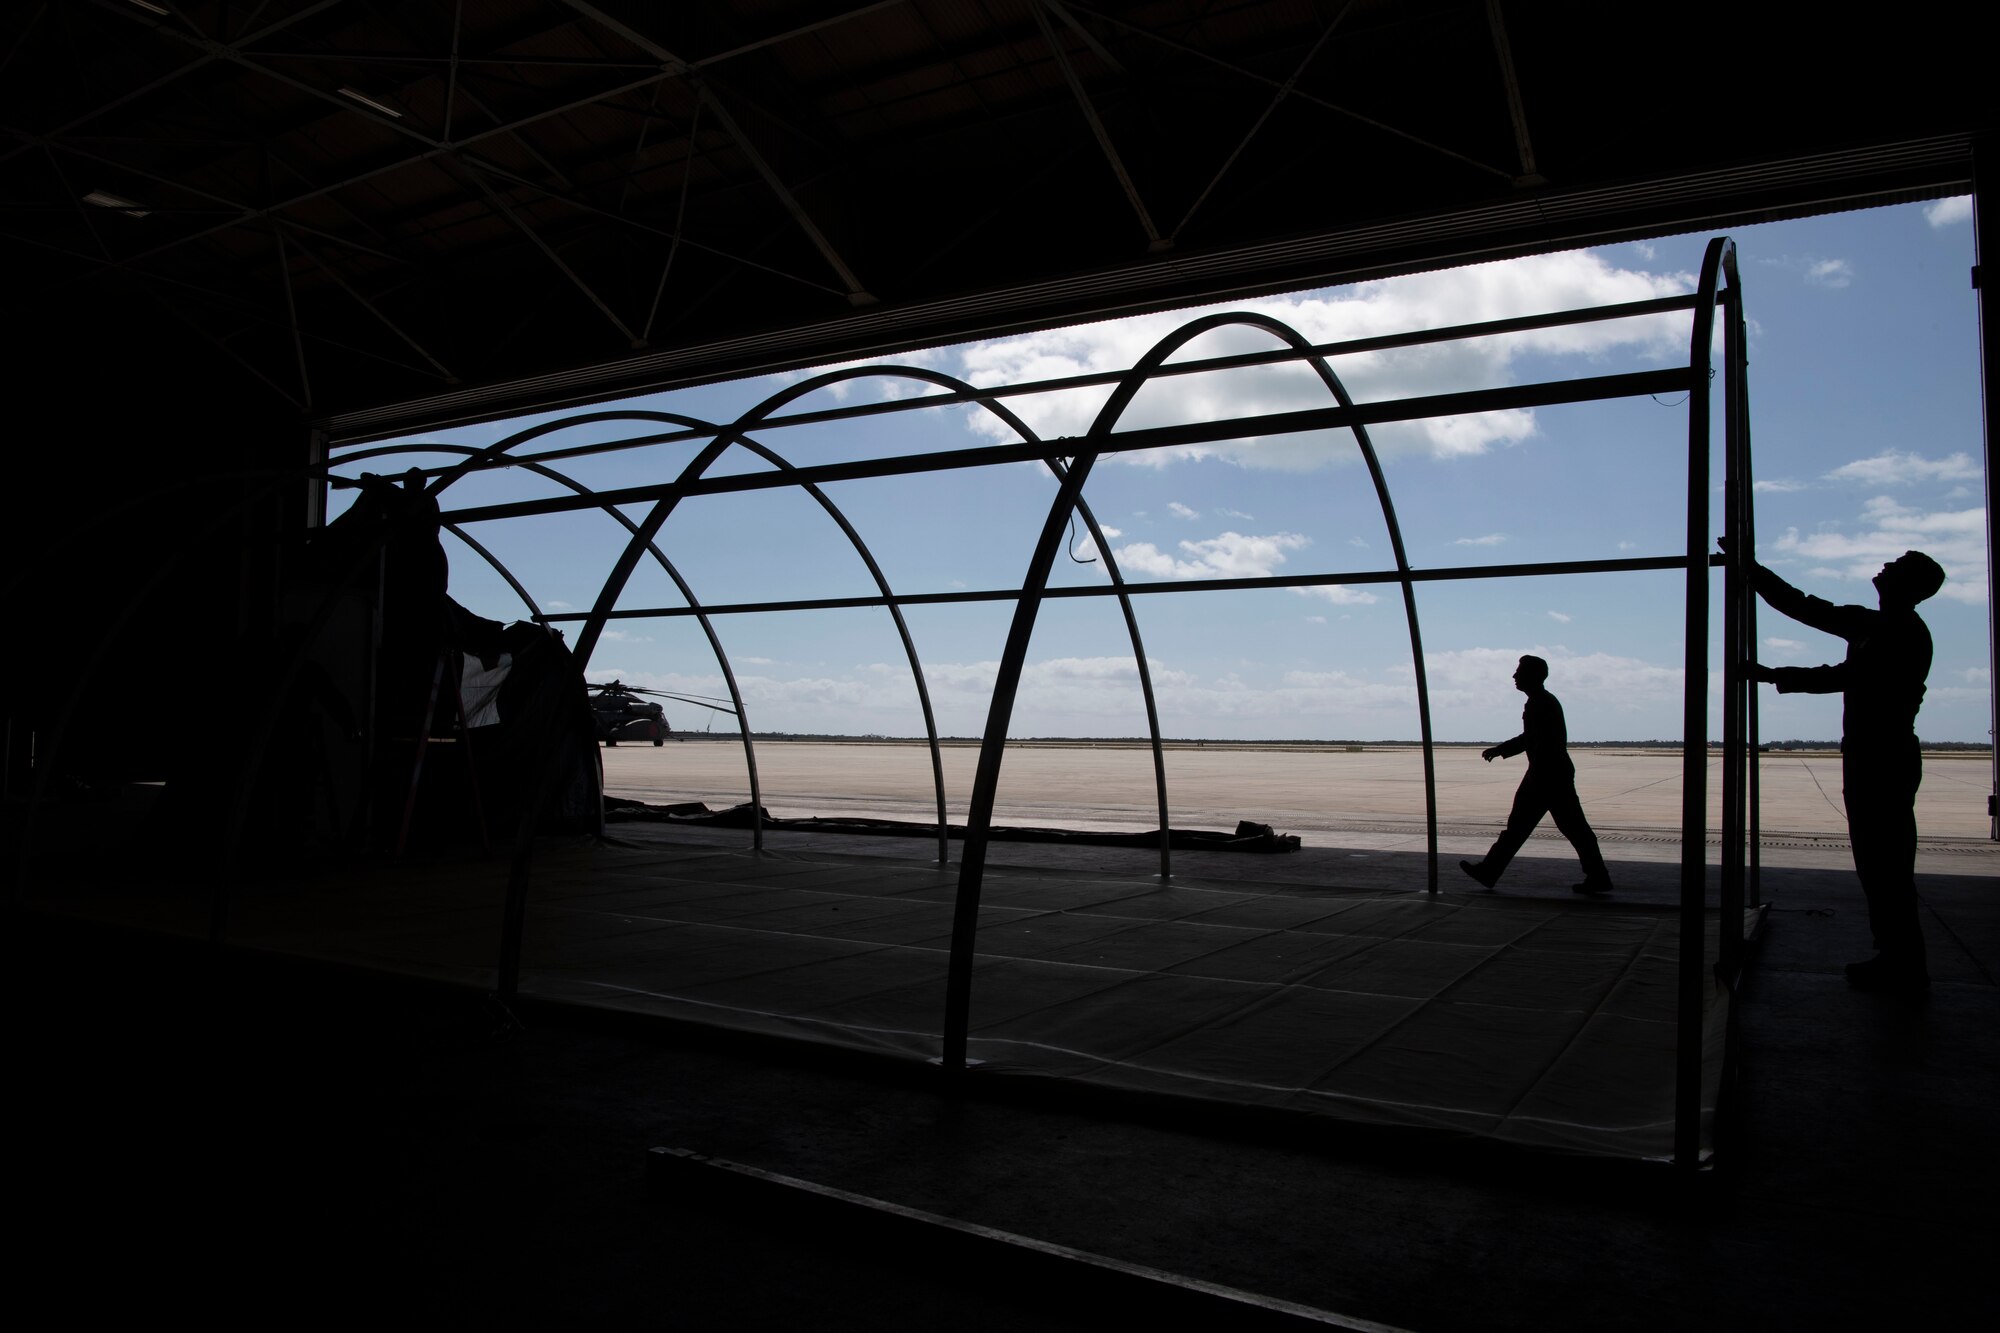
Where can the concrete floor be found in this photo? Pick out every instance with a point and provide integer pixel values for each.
(234, 1136)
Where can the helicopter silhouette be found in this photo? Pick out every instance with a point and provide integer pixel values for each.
(624, 714)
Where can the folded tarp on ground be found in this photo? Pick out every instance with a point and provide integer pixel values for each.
(1248, 837)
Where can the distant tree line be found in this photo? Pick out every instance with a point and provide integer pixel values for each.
(1655, 744)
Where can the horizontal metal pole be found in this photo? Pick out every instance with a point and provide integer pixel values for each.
(1204, 365)
(1445, 575)
(1469, 403)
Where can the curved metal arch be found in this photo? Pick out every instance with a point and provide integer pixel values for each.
(1006, 687)
(482, 456)
(1286, 333)
(625, 520)
(642, 540)
(1013, 422)
(1060, 469)
(854, 538)
(736, 432)
(643, 537)
(621, 572)
(647, 532)
(1007, 684)
(833, 511)
(534, 611)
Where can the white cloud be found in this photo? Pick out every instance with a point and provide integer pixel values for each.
(624, 636)
(552, 604)
(1955, 538)
(1329, 687)
(1606, 683)
(1894, 468)
(1179, 510)
(1232, 555)
(1946, 212)
(1628, 546)
(1815, 270)
(1237, 513)
(1646, 252)
(1786, 645)
(1228, 556)
(1776, 485)
(1977, 675)
(1559, 617)
(1338, 594)
(1358, 541)
(1490, 539)
(1315, 620)
(870, 388)
(1463, 295)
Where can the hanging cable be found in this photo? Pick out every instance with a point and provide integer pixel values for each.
(1072, 545)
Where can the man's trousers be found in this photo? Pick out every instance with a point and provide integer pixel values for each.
(1879, 781)
(1537, 797)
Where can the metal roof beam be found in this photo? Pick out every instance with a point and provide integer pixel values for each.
(1278, 97)
(1303, 96)
(181, 316)
(1505, 51)
(506, 210)
(832, 20)
(240, 304)
(245, 213)
(372, 309)
(292, 314)
(1086, 36)
(636, 224)
(398, 164)
(211, 51)
(857, 294)
(1154, 241)
(680, 217)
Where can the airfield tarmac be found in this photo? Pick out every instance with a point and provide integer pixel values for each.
(1371, 798)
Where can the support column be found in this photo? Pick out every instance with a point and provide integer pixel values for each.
(1985, 162)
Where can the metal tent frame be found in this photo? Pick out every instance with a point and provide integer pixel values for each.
(1070, 462)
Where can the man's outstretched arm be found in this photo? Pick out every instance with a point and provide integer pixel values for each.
(1788, 601)
(1808, 680)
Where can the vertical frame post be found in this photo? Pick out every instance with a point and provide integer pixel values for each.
(1692, 979)
(1736, 644)
(1985, 165)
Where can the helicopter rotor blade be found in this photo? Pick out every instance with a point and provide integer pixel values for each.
(697, 701)
(615, 688)
(670, 694)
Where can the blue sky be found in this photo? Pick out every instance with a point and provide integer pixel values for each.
(1864, 391)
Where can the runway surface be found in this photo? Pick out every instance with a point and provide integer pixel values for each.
(1372, 798)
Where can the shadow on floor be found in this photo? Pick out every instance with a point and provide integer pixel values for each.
(255, 1136)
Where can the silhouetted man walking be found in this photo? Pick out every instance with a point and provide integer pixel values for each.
(1882, 684)
(1547, 788)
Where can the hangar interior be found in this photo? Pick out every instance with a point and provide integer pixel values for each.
(249, 240)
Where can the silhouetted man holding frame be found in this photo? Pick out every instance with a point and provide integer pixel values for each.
(1881, 682)
(1547, 788)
